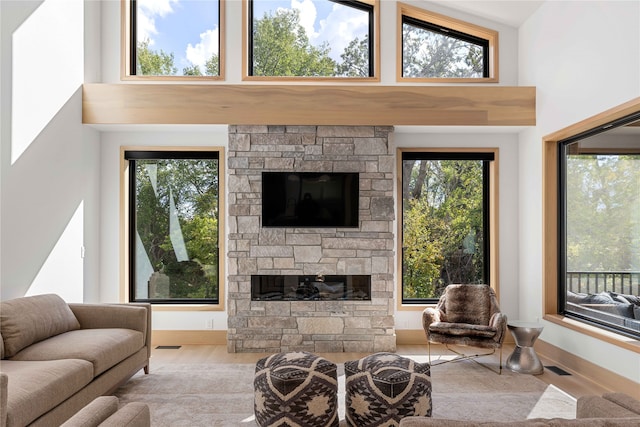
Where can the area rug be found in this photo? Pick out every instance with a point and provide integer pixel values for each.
(222, 394)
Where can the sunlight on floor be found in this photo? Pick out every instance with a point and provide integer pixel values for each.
(556, 404)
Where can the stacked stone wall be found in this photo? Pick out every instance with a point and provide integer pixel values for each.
(315, 326)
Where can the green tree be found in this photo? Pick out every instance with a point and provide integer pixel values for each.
(429, 54)
(355, 59)
(191, 186)
(191, 70)
(422, 250)
(152, 63)
(281, 48)
(442, 225)
(603, 199)
(211, 67)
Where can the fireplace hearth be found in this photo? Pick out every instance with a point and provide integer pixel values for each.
(310, 288)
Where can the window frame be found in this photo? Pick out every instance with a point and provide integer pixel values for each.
(431, 20)
(564, 149)
(550, 226)
(491, 220)
(126, 236)
(128, 31)
(374, 47)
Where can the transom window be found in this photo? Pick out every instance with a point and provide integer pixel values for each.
(438, 48)
(174, 226)
(446, 222)
(171, 38)
(310, 39)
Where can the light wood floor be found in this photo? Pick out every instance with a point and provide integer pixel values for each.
(575, 385)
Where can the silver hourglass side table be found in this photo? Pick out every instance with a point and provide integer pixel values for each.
(524, 358)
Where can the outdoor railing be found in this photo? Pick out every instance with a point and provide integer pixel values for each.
(589, 282)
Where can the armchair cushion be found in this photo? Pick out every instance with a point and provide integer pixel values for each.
(463, 329)
(467, 304)
(466, 315)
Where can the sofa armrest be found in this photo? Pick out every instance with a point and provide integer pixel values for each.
(94, 413)
(599, 407)
(135, 316)
(4, 381)
(134, 414)
(103, 412)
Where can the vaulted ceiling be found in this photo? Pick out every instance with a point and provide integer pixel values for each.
(513, 12)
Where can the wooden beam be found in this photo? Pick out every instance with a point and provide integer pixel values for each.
(260, 104)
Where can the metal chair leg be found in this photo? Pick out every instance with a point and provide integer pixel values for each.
(471, 357)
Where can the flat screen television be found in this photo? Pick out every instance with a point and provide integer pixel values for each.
(310, 199)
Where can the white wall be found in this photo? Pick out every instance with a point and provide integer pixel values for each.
(49, 163)
(584, 58)
(507, 143)
(111, 139)
(60, 187)
(110, 199)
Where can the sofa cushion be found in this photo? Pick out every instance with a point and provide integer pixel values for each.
(624, 400)
(104, 348)
(28, 320)
(34, 388)
(620, 309)
(599, 407)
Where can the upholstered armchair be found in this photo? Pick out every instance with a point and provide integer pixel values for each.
(466, 315)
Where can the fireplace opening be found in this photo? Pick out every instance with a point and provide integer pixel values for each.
(310, 287)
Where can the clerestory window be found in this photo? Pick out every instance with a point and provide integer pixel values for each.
(447, 221)
(438, 48)
(310, 39)
(166, 39)
(174, 229)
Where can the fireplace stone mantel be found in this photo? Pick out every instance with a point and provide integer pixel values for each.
(332, 325)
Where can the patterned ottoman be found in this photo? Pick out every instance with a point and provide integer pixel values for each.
(383, 388)
(296, 389)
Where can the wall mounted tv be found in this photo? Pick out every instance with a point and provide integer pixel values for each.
(310, 199)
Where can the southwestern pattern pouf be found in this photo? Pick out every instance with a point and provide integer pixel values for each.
(296, 389)
(383, 388)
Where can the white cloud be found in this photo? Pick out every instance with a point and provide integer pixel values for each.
(338, 28)
(202, 51)
(148, 10)
(341, 26)
(308, 14)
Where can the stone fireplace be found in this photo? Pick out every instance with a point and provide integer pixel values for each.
(351, 256)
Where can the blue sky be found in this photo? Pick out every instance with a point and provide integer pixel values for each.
(189, 28)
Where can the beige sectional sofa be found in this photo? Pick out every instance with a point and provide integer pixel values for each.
(608, 410)
(56, 357)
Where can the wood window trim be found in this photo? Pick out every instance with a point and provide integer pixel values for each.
(125, 50)
(376, 53)
(494, 217)
(455, 24)
(124, 227)
(550, 225)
